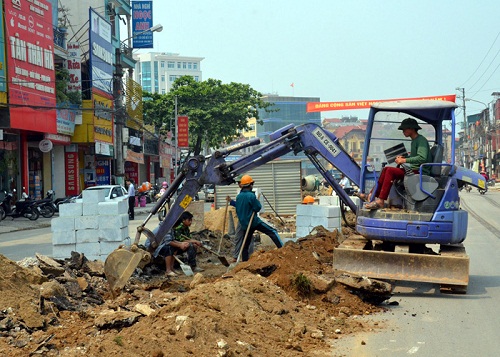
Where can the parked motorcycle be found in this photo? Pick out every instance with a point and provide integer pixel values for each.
(482, 191)
(22, 208)
(46, 206)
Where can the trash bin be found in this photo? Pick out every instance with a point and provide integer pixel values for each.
(142, 201)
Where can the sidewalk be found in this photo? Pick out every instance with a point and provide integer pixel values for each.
(19, 224)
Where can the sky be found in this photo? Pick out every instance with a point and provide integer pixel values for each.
(341, 50)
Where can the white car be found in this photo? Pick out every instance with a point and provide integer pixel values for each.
(111, 192)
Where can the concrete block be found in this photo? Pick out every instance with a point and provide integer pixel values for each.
(89, 249)
(113, 208)
(62, 224)
(302, 231)
(303, 210)
(112, 234)
(64, 237)
(87, 236)
(86, 222)
(325, 221)
(113, 222)
(90, 209)
(71, 209)
(62, 251)
(302, 221)
(325, 211)
(329, 200)
(108, 247)
(93, 196)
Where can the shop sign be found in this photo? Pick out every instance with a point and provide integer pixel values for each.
(58, 139)
(66, 121)
(136, 157)
(182, 132)
(71, 172)
(103, 172)
(142, 21)
(104, 149)
(74, 66)
(45, 145)
(101, 53)
(30, 65)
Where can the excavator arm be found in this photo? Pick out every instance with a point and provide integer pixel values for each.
(213, 169)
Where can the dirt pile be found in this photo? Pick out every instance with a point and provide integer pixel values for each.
(282, 302)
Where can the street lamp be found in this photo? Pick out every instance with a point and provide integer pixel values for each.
(118, 96)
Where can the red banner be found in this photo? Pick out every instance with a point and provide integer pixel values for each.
(363, 104)
(182, 132)
(30, 64)
(72, 182)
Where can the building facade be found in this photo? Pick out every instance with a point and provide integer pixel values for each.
(157, 71)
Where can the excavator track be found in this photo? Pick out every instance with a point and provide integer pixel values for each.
(449, 267)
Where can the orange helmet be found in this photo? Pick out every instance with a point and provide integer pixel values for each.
(246, 180)
(308, 199)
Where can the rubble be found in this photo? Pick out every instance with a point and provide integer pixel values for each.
(253, 310)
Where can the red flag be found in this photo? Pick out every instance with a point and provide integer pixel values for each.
(292, 85)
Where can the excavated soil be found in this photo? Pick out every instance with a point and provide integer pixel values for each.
(282, 302)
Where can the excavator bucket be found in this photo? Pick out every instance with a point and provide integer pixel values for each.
(121, 263)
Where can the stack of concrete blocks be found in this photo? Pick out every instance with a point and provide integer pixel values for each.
(94, 227)
(326, 214)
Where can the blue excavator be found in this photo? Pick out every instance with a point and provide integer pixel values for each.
(417, 237)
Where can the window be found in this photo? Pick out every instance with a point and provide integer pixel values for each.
(190, 65)
(195, 65)
(171, 78)
(196, 78)
(163, 91)
(171, 64)
(184, 65)
(179, 65)
(163, 78)
(162, 64)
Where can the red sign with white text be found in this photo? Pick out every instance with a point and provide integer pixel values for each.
(182, 132)
(72, 182)
(363, 104)
(30, 61)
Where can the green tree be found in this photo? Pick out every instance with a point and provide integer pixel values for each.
(216, 111)
(63, 97)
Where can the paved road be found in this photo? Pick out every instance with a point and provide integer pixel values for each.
(428, 323)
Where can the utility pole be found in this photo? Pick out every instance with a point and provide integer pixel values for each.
(465, 124)
(119, 120)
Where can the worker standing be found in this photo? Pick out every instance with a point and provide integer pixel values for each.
(131, 198)
(246, 205)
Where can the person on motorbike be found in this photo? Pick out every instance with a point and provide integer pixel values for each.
(163, 188)
(485, 175)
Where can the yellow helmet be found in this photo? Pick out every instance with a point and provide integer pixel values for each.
(308, 199)
(246, 180)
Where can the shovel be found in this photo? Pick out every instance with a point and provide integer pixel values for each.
(222, 259)
(243, 244)
(185, 268)
(223, 227)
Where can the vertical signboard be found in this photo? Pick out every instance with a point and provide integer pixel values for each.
(142, 21)
(74, 66)
(103, 123)
(103, 172)
(3, 85)
(29, 37)
(182, 132)
(71, 164)
(101, 53)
